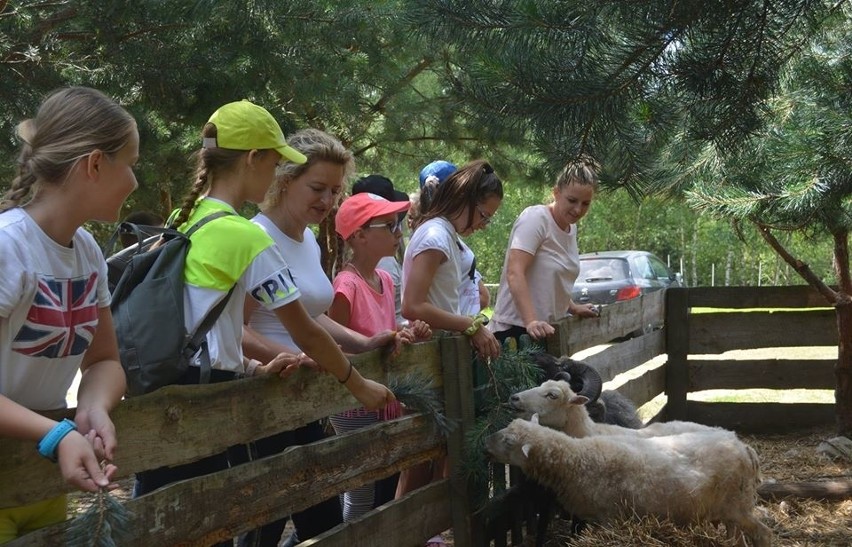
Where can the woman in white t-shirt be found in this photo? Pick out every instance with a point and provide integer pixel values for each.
(303, 195)
(542, 261)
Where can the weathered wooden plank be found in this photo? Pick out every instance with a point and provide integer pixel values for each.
(503, 514)
(192, 512)
(800, 296)
(678, 342)
(405, 522)
(761, 417)
(523, 514)
(459, 403)
(761, 373)
(624, 356)
(616, 320)
(721, 332)
(642, 389)
(178, 424)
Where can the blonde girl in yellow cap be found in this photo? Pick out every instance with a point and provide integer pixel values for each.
(242, 147)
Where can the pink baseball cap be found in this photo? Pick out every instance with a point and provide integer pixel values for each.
(357, 211)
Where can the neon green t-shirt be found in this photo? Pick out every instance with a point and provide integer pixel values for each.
(225, 252)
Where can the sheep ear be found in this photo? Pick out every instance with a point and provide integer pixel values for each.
(534, 418)
(526, 450)
(578, 400)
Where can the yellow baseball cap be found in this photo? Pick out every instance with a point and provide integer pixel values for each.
(242, 125)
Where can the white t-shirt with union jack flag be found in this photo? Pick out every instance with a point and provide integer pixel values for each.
(49, 301)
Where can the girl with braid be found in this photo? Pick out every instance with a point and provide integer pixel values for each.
(242, 147)
(76, 165)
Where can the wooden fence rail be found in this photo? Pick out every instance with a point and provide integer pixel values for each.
(180, 424)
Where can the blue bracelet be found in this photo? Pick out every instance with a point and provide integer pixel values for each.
(49, 443)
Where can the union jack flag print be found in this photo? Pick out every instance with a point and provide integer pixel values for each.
(62, 319)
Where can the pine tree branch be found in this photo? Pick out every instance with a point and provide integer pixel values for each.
(801, 267)
(379, 106)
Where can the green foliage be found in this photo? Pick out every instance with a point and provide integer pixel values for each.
(351, 69)
(619, 79)
(513, 371)
(652, 90)
(418, 393)
(105, 523)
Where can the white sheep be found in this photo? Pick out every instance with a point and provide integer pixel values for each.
(691, 477)
(560, 408)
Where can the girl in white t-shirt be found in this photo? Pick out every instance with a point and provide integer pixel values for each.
(542, 261)
(432, 270)
(242, 146)
(76, 165)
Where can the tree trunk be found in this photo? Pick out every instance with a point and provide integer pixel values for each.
(843, 307)
(694, 271)
(729, 266)
(843, 369)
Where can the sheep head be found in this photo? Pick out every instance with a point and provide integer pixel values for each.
(512, 444)
(584, 379)
(550, 401)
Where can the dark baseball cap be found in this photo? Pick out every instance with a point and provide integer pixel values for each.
(379, 185)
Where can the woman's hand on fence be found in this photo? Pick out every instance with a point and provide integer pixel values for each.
(284, 364)
(382, 339)
(584, 310)
(80, 466)
(372, 395)
(539, 329)
(485, 344)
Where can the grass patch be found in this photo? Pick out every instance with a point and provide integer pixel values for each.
(825, 396)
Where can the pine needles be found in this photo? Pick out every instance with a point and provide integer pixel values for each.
(513, 371)
(106, 523)
(417, 392)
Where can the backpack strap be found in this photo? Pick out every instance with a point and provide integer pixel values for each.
(142, 232)
(198, 340)
(212, 216)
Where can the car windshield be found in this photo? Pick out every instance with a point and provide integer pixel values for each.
(595, 270)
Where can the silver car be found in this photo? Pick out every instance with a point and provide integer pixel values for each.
(607, 277)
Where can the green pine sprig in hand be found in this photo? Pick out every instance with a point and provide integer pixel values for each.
(105, 523)
(418, 393)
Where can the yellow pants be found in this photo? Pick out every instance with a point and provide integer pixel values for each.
(17, 521)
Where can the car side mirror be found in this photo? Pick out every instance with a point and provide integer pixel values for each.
(678, 277)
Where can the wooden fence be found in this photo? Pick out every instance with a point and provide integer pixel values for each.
(181, 424)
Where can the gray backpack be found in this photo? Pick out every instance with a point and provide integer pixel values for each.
(147, 308)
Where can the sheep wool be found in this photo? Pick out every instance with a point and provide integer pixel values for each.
(690, 477)
(558, 407)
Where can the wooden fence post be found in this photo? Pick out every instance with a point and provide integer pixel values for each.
(677, 348)
(457, 361)
(557, 343)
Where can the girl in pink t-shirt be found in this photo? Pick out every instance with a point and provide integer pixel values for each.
(364, 302)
